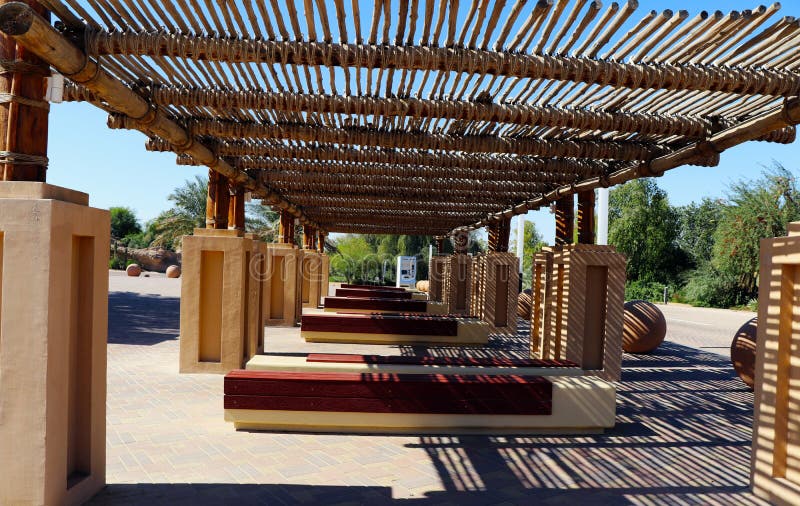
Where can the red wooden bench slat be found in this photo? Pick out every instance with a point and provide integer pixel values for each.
(379, 294)
(373, 303)
(381, 324)
(452, 361)
(518, 406)
(373, 287)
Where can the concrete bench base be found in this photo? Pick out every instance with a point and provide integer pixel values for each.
(309, 364)
(580, 405)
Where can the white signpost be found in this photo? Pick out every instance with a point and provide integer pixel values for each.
(406, 271)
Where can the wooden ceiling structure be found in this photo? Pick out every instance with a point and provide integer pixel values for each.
(424, 116)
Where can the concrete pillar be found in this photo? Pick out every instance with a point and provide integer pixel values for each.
(283, 275)
(221, 313)
(775, 468)
(436, 278)
(580, 307)
(53, 332)
(500, 291)
(456, 274)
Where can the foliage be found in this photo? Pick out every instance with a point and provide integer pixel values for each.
(755, 210)
(262, 221)
(123, 222)
(644, 227)
(708, 287)
(532, 244)
(354, 259)
(187, 213)
(698, 223)
(644, 290)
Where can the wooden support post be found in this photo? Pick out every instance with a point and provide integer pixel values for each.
(440, 245)
(586, 222)
(286, 230)
(222, 203)
(309, 237)
(24, 113)
(236, 208)
(499, 233)
(321, 241)
(211, 199)
(565, 220)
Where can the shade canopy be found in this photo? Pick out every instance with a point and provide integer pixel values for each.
(427, 116)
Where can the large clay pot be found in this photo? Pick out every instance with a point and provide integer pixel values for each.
(133, 270)
(423, 286)
(743, 352)
(525, 304)
(644, 327)
(173, 271)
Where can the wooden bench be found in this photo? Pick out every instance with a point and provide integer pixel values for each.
(393, 329)
(377, 305)
(374, 287)
(372, 294)
(416, 403)
(316, 362)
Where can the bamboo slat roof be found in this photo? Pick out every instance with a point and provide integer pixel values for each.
(423, 116)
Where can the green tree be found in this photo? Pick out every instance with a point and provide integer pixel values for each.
(352, 259)
(697, 225)
(262, 221)
(644, 227)
(532, 244)
(187, 213)
(756, 210)
(123, 222)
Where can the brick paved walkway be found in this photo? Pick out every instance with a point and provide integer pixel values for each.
(682, 437)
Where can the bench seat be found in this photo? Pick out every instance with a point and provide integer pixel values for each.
(378, 305)
(372, 294)
(425, 403)
(373, 287)
(393, 329)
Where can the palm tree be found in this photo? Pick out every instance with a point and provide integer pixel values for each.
(188, 213)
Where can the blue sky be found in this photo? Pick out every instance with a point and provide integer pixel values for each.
(114, 168)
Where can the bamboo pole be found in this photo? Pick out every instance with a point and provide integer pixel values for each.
(642, 75)
(20, 21)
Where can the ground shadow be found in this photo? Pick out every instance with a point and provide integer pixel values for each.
(142, 319)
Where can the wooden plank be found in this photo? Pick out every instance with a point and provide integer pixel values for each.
(381, 324)
(370, 293)
(443, 361)
(376, 304)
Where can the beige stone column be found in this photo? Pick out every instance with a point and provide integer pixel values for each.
(500, 291)
(456, 289)
(436, 278)
(775, 466)
(53, 331)
(220, 309)
(587, 292)
(283, 273)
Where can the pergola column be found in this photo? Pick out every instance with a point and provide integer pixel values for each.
(311, 270)
(236, 208)
(565, 220)
(218, 201)
(284, 275)
(498, 287)
(586, 221)
(53, 307)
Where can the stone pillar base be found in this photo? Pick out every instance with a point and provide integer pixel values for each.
(582, 295)
(775, 470)
(283, 273)
(220, 309)
(54, 253)
(324, 278)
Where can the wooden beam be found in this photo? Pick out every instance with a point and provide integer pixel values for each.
(35, 34)
(787, 115)
(459, 110)
(655, 75)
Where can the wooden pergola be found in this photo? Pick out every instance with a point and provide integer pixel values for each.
(422, 117)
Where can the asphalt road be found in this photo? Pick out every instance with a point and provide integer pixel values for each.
(707, 329)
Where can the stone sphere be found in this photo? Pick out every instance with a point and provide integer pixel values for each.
(423, 286)
(743, 352)
(133, 270)
(173, 271)
(525, 304)
(644, 327)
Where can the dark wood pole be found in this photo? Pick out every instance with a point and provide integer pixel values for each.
(321, 241)
(24, 113)
(565, 220)
(286, 231)
(309, 237)
(499, 233)
(586, 221)
(211, 199)
(222, 203)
